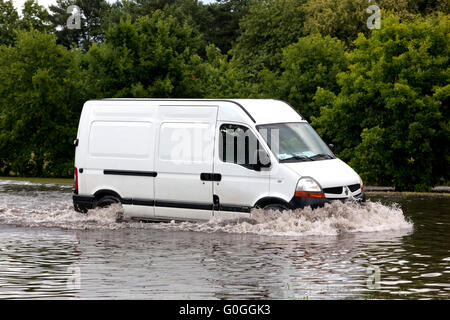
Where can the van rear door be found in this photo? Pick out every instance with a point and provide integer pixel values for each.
(184, 162)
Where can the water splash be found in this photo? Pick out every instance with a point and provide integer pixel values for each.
(20, 183)
(60, 215)
(333, 219)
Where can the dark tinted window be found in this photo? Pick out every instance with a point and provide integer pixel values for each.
(237, 144)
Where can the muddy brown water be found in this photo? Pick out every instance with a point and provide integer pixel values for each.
(395, 247)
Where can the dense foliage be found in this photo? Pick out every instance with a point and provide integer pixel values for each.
(390, 119)
(381, 96)
(146, 58)
(41, 97)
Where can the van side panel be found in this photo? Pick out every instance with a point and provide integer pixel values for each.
(130, 142)
(116, 151)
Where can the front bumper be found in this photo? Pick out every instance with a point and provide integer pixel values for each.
(300, 202)
(83, 203)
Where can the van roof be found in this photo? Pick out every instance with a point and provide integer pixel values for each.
(269, 110)
(260, 111)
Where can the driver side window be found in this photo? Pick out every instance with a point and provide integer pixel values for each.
(238, 145)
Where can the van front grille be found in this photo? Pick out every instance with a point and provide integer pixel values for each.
(338, 190)
(354, 187)
(335, 190)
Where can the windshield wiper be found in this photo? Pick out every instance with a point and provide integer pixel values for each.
(322, 155)
(306, 158)
(296, 157)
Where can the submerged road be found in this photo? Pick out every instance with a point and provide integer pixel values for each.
(397, 246)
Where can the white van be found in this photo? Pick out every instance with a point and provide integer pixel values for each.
(187, 159)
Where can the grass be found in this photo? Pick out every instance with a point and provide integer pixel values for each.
(40, 180)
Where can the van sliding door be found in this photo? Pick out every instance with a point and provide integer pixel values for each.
(184, 162)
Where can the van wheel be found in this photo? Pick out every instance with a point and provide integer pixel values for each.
(276, 207)
(106, 201)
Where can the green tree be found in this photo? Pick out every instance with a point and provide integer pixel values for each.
(133, 9)
(391, 117)
(41, 95)
(268, 27)
(59, 18)
(429, 6)
(92, 16)
(148, 7)
(344, 19)
(9, 19)
(35, 16)
(216, 77)
(217, 22)
(312, 62)
(223, 30)
(191, 12)
(146, 58)
(195, 14)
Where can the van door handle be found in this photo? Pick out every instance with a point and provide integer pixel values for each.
(210, 177)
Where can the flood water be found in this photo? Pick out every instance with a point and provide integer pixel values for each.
(396, 246)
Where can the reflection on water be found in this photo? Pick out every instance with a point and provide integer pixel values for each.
(35, 263)
(49, 251)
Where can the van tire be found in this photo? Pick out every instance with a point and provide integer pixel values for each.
(108, 200)
(276, 207)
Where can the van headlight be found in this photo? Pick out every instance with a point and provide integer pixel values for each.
(307, 187)
(361, 184)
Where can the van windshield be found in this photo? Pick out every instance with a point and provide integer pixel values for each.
(295, 142)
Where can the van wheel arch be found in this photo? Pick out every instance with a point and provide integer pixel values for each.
(106, 198)
(272, 201)
(103, 193)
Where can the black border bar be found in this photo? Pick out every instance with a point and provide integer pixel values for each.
(228, 308)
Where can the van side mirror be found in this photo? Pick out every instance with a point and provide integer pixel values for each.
(331, 146)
